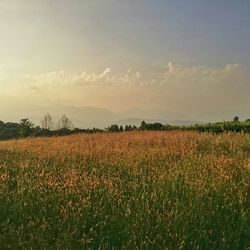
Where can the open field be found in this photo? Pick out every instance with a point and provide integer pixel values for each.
(131, 190)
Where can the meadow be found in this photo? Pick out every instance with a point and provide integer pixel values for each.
(129, 190)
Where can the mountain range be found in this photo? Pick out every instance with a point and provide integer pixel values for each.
(89, 117)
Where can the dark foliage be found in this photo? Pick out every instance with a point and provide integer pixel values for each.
(26, 128)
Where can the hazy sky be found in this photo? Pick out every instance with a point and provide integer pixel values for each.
(186, 56)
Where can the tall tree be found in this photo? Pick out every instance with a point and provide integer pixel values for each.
(236, 119)
(26, 127)
(65, 123)
(113, 128)
(47, 122)
(143, 125)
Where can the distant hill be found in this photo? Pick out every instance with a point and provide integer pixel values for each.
(152, 114)
(89, 117)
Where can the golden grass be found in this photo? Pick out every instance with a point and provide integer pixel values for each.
(150, 187)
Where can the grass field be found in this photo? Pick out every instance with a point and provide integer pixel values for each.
(131, 190)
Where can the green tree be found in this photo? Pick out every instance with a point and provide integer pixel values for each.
(26, 127)
(134, 127)
(113, 128)
(236, 119)
(143, 125)
(128, 128)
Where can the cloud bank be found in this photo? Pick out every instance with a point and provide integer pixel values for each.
(191, 90)
(173, 77)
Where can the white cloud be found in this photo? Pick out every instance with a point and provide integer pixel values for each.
(194, 78)
(105, 73)
(138, 75)
(57, 78)
(170, 68)
(173, 78)
(181, 89)
(231, 67)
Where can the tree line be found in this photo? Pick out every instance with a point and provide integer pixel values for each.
(64, 126)
(26, 128)
(218, 127)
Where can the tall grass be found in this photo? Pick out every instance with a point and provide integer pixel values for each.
(136, 190)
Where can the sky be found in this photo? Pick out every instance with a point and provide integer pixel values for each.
(190, 57)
